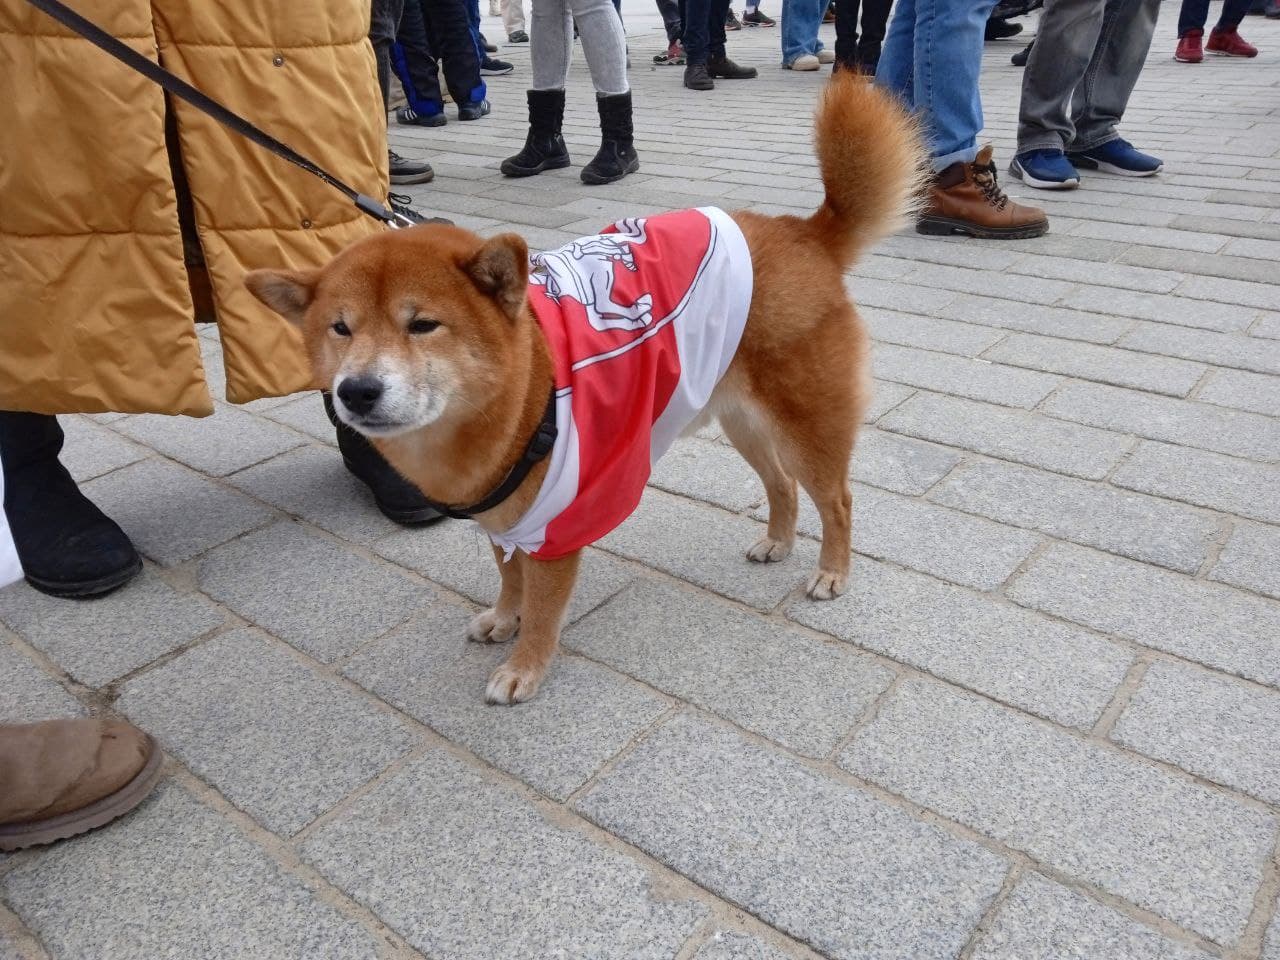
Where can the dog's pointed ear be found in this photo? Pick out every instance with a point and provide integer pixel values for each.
(287, 292)
(500, 269)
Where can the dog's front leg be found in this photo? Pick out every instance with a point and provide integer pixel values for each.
(548, 585)
(499, 623)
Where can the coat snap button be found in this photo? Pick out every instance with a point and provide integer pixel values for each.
(306, 224)
(278, 60)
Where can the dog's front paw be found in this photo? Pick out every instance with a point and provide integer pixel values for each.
(768, 550)
(825, 585)
(511, 684)
(492, 627)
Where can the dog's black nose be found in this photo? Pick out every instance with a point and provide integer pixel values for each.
(360, 394)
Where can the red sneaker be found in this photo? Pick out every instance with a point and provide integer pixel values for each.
(1189, 47)
(1229, 43)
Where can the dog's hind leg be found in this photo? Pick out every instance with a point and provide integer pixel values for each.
(500, 622)
(752, 440)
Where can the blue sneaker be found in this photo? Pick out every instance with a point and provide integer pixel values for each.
(1045, 170)
(1118, 156)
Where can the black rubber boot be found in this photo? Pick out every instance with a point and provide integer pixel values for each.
(544, 148)
(397, 498)
(617, 154)
(68, 547)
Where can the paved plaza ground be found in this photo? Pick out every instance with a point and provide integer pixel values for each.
(1043, 723)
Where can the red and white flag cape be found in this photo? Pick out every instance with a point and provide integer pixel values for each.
(642, 322)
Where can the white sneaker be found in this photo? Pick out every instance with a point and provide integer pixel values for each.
(806, 61)
(826, 56)
(495, 10)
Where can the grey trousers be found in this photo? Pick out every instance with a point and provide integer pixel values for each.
(1082, 69)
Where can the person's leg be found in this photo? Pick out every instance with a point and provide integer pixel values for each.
(1193, 15)
(1233, 11)
(846, 34)
(416, 66)
(453, 38)
(800, 22)
(1103, 94)
(671, 22)
(695, 15)
(896, 70)
(66, 545)
(875, 17)
(1066, 40)
(383, 23)
(513, 17)
(551, 43)
(716, 37)
(947, 60)
(603, 44)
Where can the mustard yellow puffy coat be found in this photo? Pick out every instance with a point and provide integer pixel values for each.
(96, 300)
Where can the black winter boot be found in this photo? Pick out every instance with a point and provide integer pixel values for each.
(617, 154)
(68, 547)
(397, 498)
(544, 148)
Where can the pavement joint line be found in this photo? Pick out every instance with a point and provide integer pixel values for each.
(1266, 904)
(12, 927)
(1122, 696)
(1011, 879)
(1226, 526)
(868, 716)
(674, 706)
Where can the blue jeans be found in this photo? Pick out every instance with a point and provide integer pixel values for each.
(800, 22)
(931, 59)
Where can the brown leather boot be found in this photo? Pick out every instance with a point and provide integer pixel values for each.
(63, 777)
(965, 198)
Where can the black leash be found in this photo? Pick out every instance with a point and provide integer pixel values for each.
(185, 91)
(539, 445)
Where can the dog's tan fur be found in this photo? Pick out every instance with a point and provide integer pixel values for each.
(468, 394)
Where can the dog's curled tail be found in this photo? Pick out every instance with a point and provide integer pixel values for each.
(873, 165)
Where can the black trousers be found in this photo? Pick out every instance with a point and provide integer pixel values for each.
(431, 31)
(703, 29)
(851, 51)
(384, 21)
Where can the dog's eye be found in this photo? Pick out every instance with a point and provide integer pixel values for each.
(341, 329)
(422, 326)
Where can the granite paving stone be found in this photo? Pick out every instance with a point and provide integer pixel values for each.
(962, 376)
(175, 880)
(803, 693)
(468, 869)
(847, 873)
(1214, 726)
(173, 514)
(30, 694)
(1037, 318)
(1206, 479)
(90, 450)
(1043, 920)
(739, 946)
(317, 595)
(1271, 945)
(313, 484)
(307, 415)
(1016, 435)
(1208, 427)
(1224, 349)
(708, 547)
(583, 714)
(1251, 559)
(712, 472)
(884, 398)
(1209, 623)
(1244, 391)
(946, 543)
(276, 738)
(1167, 844)
(1123, 368)
(1166, 309)
(228, 441)
(896, 463)
(929, 333)
(459, 555)
(97, 642)
(1048, 668)
(1094, 514)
